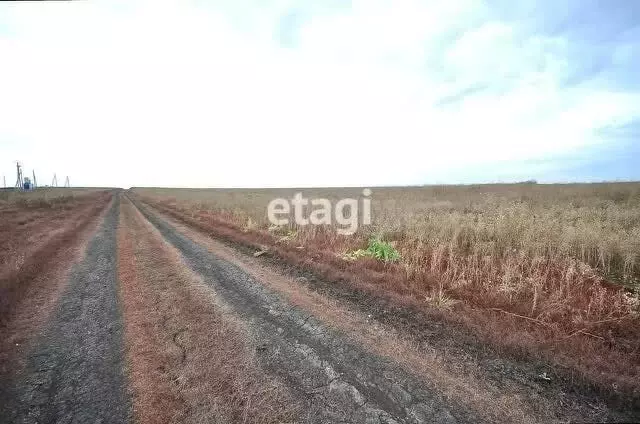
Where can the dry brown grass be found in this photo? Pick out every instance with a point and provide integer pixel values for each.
(597, 224)
(46, 197)
(190, 361)
(33, 240)
(532, 267)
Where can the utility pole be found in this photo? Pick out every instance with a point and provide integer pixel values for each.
(19, 179)
(54, 183)
(35, 183)
(66, 182)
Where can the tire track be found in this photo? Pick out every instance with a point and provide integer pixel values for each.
(338, 381)
(74, 372)
(188, 360)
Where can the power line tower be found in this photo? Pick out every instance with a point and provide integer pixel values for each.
(19, 179)
(35, 182)
(54, 183)
(66, 182)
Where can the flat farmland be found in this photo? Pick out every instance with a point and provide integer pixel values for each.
(501, 303)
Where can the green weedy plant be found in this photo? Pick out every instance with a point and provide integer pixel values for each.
(382, 250)
(377, 249)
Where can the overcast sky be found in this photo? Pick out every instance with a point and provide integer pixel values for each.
(284, 93)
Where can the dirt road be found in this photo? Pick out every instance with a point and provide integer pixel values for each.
(336, 380)
(74, 373)
(158, 322)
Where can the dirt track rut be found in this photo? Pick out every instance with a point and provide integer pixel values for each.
(75, 372)
(337, 380)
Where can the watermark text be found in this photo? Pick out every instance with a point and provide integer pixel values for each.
(322, 212)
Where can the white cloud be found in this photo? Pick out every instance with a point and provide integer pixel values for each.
(176, 94)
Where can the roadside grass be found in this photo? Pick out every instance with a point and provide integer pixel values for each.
(46, 197)
(560, 261)
(33, 240)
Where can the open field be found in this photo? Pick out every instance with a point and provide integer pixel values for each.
(597, 224)
(156, 306)
(544, 272)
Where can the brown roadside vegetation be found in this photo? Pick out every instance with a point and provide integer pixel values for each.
(560, 304)
(459, 377)
(189, 359)
(38, 247)
(33, 233)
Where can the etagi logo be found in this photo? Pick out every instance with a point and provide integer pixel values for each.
(345, 212)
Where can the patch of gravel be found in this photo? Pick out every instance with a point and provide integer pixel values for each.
(75, 371)
(337, 380)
